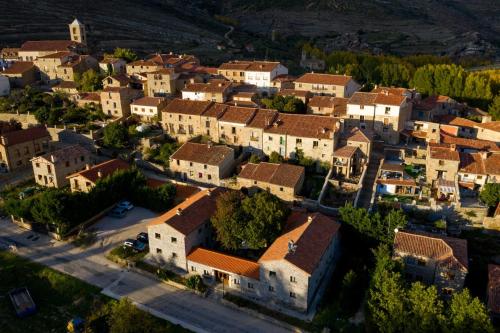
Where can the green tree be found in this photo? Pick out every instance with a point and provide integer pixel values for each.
(467, 314)
(229, 220)
(287, 104)
(254, 159)
(494, 108)
(266, 217)
(125, 54)
(490, 194)
(394, 75)
(115, 135)
(275, 158)
(423, 80)
(124, 317)
(49, 208)
(89, 81)
(425, 309)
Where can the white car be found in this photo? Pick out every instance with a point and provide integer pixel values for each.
(126, 204)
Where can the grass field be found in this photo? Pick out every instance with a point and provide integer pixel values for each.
(59, 297)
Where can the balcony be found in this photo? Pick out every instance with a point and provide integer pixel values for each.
(254, 138)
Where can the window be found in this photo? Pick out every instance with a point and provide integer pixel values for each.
(479, 177)
(174, 255)
(250, 285)
(293, 279)
(270, 138)
(193, 269)
(205, 166)
(200, 175)
(441, 162)
(281, 189)
(450, 276)
(271, 289)
(447, 291)
(82, 158)
(190, 163)
(236, 281)
(67, 163)
(298, 141)
(272, 274)
(158, 250)
(157, 235)
(362, 119)
(315, 144)
(361, 107)
(205, 272)
(292, 294)
(209, 177)
(387, 109)
(173, 240)
(233, 130)
(37, 165)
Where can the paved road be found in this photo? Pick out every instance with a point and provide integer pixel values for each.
(178, 306)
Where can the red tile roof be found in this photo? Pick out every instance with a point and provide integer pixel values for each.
(443, 152)
(188, 107)
(250, 66)
(470, 143)
(345, 151)
(56, 55)
(48, 45)
(104, 169)
(19, 67)
(455, 121)
(327, 79)
(357, 135)
(312, 234)
(191, 213)
(295, 93)
(65, 154)
(225, 262)
(25, 135)
(327, 102)
(447, 250)
(391, 90)
(284, 174)
(203, 153)
(388, 99)
(239, 115)
(149, 101)
(263, 118)
(492, 126)
(402, 182)
(362, 98)
(213, 86)
(309, 126)
(494, 288)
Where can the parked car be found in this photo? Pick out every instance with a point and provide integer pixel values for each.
(118, 212)
(143, 237)
(125, 204)
(135, 245)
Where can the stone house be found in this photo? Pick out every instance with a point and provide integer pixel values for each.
(202, 163)
(283, 180)
(258, 73)
(252, 135)
(17, 148)
(357, 138)
(148, 108)
(327, 84)
(76, 65)
(116, 101)
(174, 234)
(51, 169)
(477, 169)
(62, 66)
(442, 162)
(457, 126)
(20, 74)
(117, 81)
(162, 82)
(488, 131)
(284, 81)
(232, 125)
(215, 91)
(182, 119)
(85, 180)
(68, 87)
(432, 106)
(383, 113)
(347, 161)
(433, 259)
(298, 262)
(314, 135)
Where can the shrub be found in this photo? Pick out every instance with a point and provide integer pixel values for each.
(195, 282)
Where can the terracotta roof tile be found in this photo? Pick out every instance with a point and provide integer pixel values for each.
(471, 163)
(19, 67)
(283, 174)
(455, 121)
(492, 164)
(327, 79)
(213, 86)
(295, 93)
(470, 143)
(345, 151)
(357, 135)
(443, 152)
(494, 288)
(492, 125)
(309, 126)
(225, 262)
(149, 101)
(362, 98)
(25, 135)
(312, 234)
(391, 91)
(105, 169)
(216, 110)
(191, 213)
(48, 45)
(203, 153)
(239, 115)
(56, 55)
(263, 118)
(188, 107)
(251, 66)
(66, 85)
(388, 99)
(65, 154)
(327, 102)
(447, 250)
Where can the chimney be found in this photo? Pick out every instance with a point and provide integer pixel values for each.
(4, 141)
(87, 166)
(53, 158)
(453, 147)
(179, 211)
(209, 144)
(309, 219)
(99, 174)
(484, 154)
(209, 192)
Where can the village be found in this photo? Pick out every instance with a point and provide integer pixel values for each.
(296, 151)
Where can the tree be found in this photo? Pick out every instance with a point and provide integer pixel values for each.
(287, 104)
(490, 194)
(254, 159)
(89, 81)
(124, 317)
(275, 158)
(10, 126)
(228, 220)
(467, 314)
(125, 54)
(115, 135)
(425, 309)
(423, 80)
(494, 109)
(266, 217)
(49, 208)
(394, 75)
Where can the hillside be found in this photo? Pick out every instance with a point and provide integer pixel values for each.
(452, 27)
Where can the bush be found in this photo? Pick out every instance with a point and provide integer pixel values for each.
(195, 282)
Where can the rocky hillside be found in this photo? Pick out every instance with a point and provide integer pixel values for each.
(452, 27)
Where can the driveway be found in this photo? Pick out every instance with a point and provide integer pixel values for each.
(178, 306)
(112, 231)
